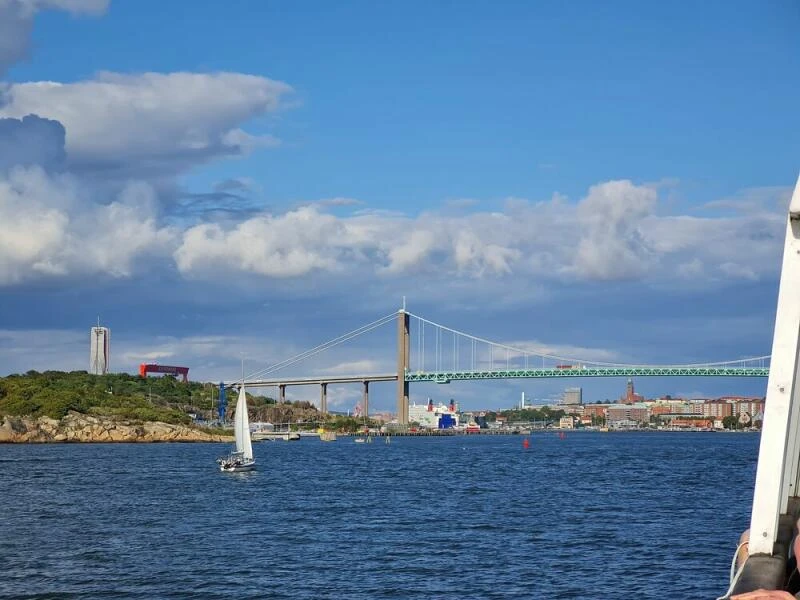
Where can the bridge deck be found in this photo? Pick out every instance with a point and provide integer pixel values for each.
(676, 371)
(318, 380)
(448, 376)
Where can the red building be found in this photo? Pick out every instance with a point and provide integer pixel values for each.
(631, 397)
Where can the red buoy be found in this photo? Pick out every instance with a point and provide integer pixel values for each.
(526, 443)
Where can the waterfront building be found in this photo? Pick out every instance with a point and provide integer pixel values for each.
(637, 413)
(571, 409)
(566, 423)
(717, 409)
(744, 404)
(572, 396)
(595, 410)
(99, 339)
(434, 417)
(662, 409)
(689, 422)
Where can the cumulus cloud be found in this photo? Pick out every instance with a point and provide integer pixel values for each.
(289, 245)
(47, 229)
(613, 233)
(612, 244)
(151, 123)
(16, 22)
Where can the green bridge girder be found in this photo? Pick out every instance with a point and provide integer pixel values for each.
(677, 371)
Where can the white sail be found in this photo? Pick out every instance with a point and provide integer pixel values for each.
(242, 427)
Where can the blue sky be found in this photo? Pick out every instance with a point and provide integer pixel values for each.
(583, 177)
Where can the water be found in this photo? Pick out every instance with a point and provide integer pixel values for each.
(635, 515)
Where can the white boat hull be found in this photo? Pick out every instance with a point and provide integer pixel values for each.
(236, 465)
(237, 468)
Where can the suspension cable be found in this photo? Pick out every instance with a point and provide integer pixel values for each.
(325, 346)
(571, 360)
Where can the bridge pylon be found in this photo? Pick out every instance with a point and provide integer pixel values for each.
(403, 359)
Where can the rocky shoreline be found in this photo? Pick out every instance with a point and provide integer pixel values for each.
(77, 427)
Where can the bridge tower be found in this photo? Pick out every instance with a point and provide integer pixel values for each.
(403, 359)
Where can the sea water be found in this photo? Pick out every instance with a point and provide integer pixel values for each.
(594, 515)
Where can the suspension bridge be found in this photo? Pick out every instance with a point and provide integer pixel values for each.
(442, 354)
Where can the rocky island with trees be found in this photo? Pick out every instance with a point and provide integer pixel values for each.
(56, 406)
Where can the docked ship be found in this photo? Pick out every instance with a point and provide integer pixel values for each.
(430, 416)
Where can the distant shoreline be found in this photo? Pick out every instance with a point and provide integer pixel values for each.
(82, 428)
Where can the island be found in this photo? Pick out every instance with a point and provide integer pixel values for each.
(57, 406)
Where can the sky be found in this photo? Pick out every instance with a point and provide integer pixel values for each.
(220, 182)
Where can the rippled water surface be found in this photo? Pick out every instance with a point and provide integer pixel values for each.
(596, 515)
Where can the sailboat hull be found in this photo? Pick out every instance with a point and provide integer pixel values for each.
(228, 468)
(236, 463)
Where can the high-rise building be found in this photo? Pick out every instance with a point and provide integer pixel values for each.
(99, 338)
(572, 396)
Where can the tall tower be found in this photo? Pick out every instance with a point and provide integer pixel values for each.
(403, 353)
(629, 391)
(99, 339)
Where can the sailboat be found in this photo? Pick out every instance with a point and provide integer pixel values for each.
(366, 438)
(241, 459)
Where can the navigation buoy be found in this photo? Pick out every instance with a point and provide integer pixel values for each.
(526, 443)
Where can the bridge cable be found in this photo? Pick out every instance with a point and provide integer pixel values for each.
(325, 346)
(555, 357)
(321, 347)
(313, 351)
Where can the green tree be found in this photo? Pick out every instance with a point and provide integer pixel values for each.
(730, 422)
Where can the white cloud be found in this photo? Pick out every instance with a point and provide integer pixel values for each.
(151, 122)
(612, 244)
(614, 233)
(289, 245)
(411, 252)
(51, 226)
(47, 228)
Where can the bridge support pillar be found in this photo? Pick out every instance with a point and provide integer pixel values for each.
(365, 401)
(282, 394)
(403, 351)
(323, 398)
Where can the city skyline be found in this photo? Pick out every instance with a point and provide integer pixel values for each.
(603, 182)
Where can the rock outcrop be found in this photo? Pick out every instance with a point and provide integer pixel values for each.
(77, 427)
